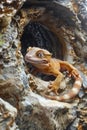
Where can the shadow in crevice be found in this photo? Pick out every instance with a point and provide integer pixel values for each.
(38, 35)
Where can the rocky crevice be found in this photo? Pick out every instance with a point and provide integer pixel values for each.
(59, 24)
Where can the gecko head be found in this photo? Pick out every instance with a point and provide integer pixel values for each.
(38, 57)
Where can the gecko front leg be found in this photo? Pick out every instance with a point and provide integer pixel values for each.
(54, 85)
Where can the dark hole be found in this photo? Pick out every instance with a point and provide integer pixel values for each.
(36, 34)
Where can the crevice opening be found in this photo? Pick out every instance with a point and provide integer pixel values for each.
(38, 35)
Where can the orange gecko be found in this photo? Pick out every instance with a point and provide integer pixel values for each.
(43, 61)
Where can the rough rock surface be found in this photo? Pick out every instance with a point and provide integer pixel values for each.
(7, 116)
(39, 113)
(60, 24)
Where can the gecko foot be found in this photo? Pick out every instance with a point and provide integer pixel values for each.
(52, 88)
(74, 73)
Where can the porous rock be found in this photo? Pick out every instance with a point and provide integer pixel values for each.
(63, 18)
(7, 116)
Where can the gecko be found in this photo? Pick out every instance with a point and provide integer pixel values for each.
(44, 62)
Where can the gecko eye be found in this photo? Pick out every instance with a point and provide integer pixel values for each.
(40, 54)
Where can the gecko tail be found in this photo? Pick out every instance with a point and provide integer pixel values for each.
(71, 94)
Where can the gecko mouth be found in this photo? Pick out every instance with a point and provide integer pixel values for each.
(34, 61)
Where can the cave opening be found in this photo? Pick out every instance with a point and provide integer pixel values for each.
(37, 35)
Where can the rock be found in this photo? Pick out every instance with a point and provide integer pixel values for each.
(7, 116)
(8, 9)
(36, 112)
(59, 27)
(84, 78)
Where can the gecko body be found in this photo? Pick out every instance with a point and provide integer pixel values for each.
(43, 61)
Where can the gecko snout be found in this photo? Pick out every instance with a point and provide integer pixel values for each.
(27, 57)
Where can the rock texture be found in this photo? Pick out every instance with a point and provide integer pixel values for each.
(39, 113)
(7, 116)
(60, 27)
